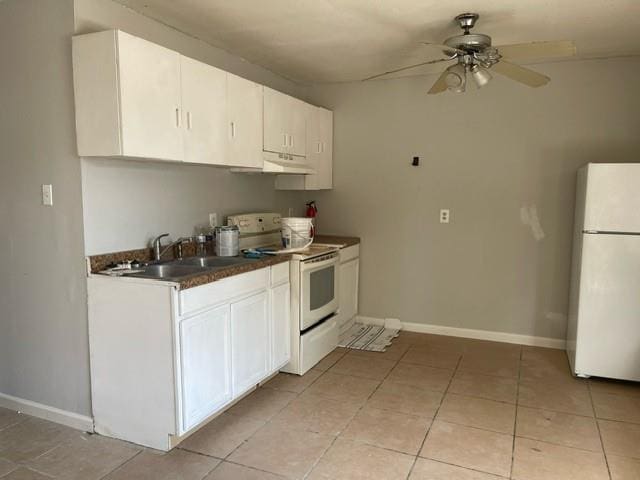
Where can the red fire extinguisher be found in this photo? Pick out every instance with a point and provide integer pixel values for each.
(312, 212)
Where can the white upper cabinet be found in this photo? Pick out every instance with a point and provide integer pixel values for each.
(128, 97)
(204, 112)
(244, 127)
(319, 145)
(137, 99)
(284, 123)
(324, 176)
(277, 120)
(298, 129)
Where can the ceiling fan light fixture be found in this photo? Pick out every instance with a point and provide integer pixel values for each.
(480, 75)
(456, 78)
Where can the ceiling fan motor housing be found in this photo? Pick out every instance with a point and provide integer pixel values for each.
(472, 42)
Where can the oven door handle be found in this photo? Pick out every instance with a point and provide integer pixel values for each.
(306, 267)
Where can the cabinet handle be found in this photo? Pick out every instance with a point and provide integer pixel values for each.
(188, 120)
(285, 140)
(233, 129)
(178, 117)
(319, 147)
(291, 141)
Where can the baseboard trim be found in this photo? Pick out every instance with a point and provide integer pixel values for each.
(53, 414)
(469, 333)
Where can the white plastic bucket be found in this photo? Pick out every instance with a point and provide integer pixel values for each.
(296, 232)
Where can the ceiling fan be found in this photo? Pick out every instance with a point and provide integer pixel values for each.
(475, 57)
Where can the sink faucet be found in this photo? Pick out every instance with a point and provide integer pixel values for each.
(158, 251)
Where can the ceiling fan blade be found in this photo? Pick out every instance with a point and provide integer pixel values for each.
(527, 51)
(409, 67)
(520, 74)
(440, 85)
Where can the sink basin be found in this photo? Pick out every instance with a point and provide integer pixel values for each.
(177, 269)
(169, 271)
(213, 262)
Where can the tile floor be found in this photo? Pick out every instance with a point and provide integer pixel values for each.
(430, 408)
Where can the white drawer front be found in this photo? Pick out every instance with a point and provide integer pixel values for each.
(197, 298)
(349, 253)
(280, 273)
(317, 344)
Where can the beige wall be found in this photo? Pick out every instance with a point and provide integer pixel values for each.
(43, 323)
(485, 155)
(127, 203)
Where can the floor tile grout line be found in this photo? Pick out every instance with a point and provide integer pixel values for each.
(335, 439)
(435, 414)
(515, 418)
(604, 452)
(245, 466)
(558, 444)
(267, 422)
(121, 465)
(464, 468)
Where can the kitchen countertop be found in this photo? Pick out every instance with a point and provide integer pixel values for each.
(337, 240)
(100, 262)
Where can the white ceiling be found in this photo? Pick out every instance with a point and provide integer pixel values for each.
(313, 41)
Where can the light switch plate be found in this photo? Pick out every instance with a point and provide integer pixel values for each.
(213, 220)
(445, 215)
(47, 195)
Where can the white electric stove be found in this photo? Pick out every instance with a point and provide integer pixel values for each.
(314, 289)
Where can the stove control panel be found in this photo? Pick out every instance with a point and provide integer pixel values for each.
(255, 223)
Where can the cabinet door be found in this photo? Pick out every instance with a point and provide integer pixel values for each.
(277, 120)
(280, 326)
(249, 342)
(204, 112)
(150, 103)
(348, 291)
(206, 364)
(244, 127)
(324, 164)
(314, 146)
(298, 129)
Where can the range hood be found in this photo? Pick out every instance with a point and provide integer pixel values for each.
(280, 164)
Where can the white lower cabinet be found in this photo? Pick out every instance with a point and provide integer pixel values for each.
(249, 342)
(205, 357)
(182, 355)
(348, 286)
(280, 325)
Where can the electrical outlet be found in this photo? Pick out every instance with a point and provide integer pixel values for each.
(291, 211)
(213, 220)
(47, 195)
(445, 215)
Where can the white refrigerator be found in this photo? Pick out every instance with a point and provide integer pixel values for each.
(603, 334)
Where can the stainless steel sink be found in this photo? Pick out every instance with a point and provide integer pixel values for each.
(178, 269)
(213, 262)
(168, 271)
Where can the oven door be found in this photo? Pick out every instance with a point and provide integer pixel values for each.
(318, 288)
